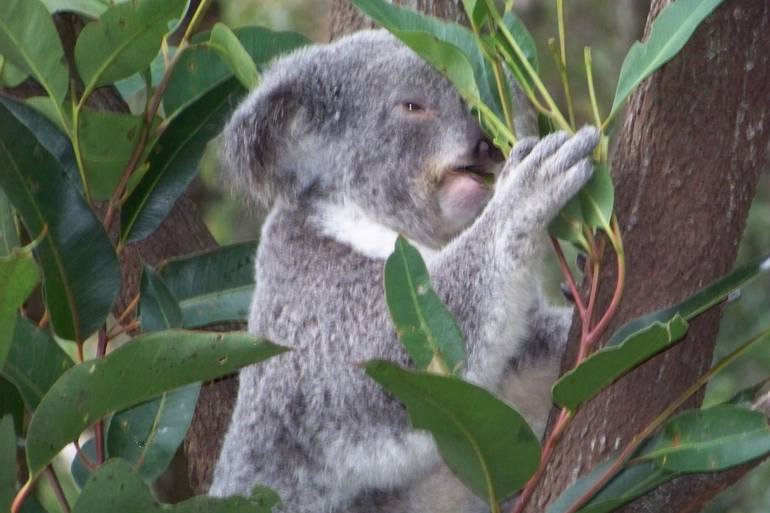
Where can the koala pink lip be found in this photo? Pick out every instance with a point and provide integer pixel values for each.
(477, 173)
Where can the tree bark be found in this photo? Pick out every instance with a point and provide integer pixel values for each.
(688, 159)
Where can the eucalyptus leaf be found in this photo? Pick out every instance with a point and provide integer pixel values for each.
(712, 439)
(9, 235)
(158, 308)
(147, 435)
(477, 434)
(89, 8)
(115, 487)
(174, 160)
(630, 483)
(611, 362)
(10, 75)
(699, 302)
(28, 39)
(201, 68)
(81, 276)
(35, 362)
(19, 276)
(597, 198)
(7, 462)
(124, 40)
(423, 323)
(212, 286)
(11, 404)
(46, 130)
(145, 368)
(672, 28)
(107, 140)
(232, 52)
(568, 224)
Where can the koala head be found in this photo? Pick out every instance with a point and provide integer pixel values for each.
(364, 120)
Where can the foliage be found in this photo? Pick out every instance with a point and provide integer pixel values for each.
(59, 158)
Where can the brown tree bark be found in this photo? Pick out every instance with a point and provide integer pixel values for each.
(688, 158)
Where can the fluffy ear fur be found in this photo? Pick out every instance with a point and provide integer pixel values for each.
(253, 141)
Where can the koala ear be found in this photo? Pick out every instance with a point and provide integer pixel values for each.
(254, 141)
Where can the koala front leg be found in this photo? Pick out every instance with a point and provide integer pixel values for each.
(488, 275)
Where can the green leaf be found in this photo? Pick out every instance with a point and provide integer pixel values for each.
(158, 308)
(478, 443)
(140, 370)
(148, 435)
(47, 132)
(423, 323)
(630, 483)
(527, 44)
(568, 224)
(90, 8)
(10, 75)
(611, 362)
(7, 462)
(709, 440)
(81, 276)
(19, 276)
(35, 362)
(697, 303)
(597, 198)
(107, 140)
(668, 34)
(448, 47)
(477, 11)
(200, 68)
(9, 236)
(11, 404)
(124, 40)
(213, 286)
(232, 52)
(28, 39)
(114, 487)
(174, 161)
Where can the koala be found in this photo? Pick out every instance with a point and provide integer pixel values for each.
(349, 145)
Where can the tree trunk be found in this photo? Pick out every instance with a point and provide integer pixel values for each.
(688, 159)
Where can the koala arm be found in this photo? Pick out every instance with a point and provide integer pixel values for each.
(485, 275)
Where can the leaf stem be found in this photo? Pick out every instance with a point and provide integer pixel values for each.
(591, 90)
(550, 443)
(597, 331)
(554, 111)
(640, 437)
(570, 279)
(151, 111)
(22, 495)
(563, 66)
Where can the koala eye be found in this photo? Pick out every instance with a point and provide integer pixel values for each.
(412, 107)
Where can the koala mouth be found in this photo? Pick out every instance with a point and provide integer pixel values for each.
(479, 173)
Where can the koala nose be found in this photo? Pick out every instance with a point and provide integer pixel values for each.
(486, 151)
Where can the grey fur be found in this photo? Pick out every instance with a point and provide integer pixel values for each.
(327, 128)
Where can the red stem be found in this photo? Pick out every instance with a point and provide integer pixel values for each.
(550, 443)
(570, 278)
(101, 349)
(90, 465)
(18, 501)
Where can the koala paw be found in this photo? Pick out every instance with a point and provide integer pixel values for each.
(548, 174)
